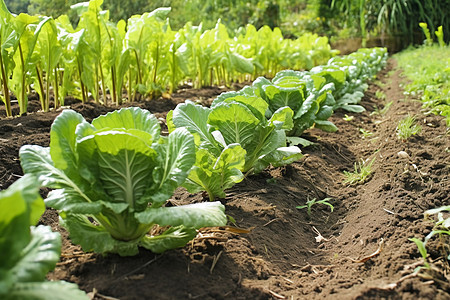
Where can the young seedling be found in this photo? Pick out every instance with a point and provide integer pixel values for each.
(379, 83)
(383, 111)
(441, 228)
(365, 133)
(423, 252)
(310, 202)
(380, 95)
(348, 118)
(407, 127)
(363, 169)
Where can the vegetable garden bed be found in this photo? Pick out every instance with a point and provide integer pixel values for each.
(279, 251)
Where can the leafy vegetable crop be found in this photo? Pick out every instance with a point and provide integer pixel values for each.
(309, 96)
(29, 253)
(233, 136)
(100, 59)
(112, 179)
(358, 67)
(314, 95)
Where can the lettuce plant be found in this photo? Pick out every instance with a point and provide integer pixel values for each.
(112, 179)
(358, 67)
(314, 95)
(309, 96)
(29, 252)
(214, 174)
(346, 95)
(241, 119)
(233, 136)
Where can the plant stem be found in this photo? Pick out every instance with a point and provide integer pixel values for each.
(23, 100)
(174, 70)
(56, 89)
(115, 98)
(41, 86)
(47, 91)
(83, 88)
(5, 88)
(139, 75)
(105, 99)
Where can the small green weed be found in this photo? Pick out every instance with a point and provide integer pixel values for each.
(441, 229)
(363, 169)
(383, 111)
(379, 83)
(422, 250)
(365, 133)
(348, 118)
(231, 220)
(380, 95)
(310, 202)
(407, 127)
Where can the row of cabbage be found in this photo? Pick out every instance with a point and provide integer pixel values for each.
(112, 178)
(246, 131)
(142, 56)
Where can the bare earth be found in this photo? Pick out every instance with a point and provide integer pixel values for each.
(286, 253)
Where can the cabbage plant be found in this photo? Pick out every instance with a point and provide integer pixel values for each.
(309, 96)
(29, 252)
(233, 137)
(112, 178)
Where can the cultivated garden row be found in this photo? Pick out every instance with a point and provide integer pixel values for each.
(98, 59)
(111, 178)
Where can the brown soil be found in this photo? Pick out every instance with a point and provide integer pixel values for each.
(283, 256)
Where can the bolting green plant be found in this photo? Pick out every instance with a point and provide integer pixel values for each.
(112, 179)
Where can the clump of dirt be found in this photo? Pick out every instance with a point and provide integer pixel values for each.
(359, 250)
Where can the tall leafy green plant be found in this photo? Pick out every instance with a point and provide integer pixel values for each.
(46, 57)
(117, 58)
(139, 39)
(178, 60)
(28, 28)
(8, 42)
(70, 67)
(95, 43)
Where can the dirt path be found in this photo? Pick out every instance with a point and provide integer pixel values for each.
(282, 256)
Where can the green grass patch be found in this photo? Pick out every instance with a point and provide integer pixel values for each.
(429, 69)
(363, 171)
(407, 127)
